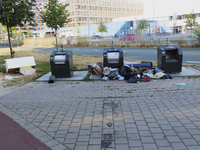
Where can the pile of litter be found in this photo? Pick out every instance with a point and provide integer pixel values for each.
(132, 73)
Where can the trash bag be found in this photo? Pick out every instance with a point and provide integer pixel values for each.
(125, 71)
(134, 80)
(112, 74)
(146, 78)
(167, 76)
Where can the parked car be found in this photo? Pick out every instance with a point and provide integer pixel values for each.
(96, 37)
(128, 37)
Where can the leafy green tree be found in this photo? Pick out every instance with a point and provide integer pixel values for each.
(197, 32)
(77, 29)
(2, 31)
(10, 29)
(55, 16)
(101, 28)
(143, 24)
(20, 34)
(29, 33)
(191, 21)
(16, 13)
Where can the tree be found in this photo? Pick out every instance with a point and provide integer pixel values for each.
(16, 13)
(29, 33)
(197, 32)
(20, 34)
(2, 31)
(10, 29)
(101, 28)
(191, 21)
(77, 29)
(143, 24)
(55, 16)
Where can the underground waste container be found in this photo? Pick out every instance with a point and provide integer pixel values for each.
(61, 64)
(169, 58)
(113, 57)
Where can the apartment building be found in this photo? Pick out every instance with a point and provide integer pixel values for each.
(40, 25)
(94, 11)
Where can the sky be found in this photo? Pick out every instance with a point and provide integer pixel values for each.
(169, 7)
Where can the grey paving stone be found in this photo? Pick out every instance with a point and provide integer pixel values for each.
(72, 135)
(197, 137)
(165, 148)
(133, 136)
(193, 147)
(45, 138)
(84, 132)
(70, 140)
(95, 141)
(162, 143)
(169, 132)
(94, 147)
(82, 143)
(189, 142)
(147, 140)
(178, 146)
(83, 138)
(145, 133)
(121, 140)
(120, 134)
(71, 129)
(143, 127)
(96, 129)
(61, 140)
(95, 134)
(174, 139)
(150, 147)
(51, 143)
(136, 148)
(184, 135)
(159, 136)
(80, 147)
(135, 143)
(120, 147)
(59, 147)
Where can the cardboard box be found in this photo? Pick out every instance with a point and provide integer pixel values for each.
(27, 71)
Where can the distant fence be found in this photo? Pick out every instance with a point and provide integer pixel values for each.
(84, 41)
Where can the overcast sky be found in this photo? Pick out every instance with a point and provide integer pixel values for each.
(169, 7)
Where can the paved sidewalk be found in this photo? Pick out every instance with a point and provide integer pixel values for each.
(112, 115)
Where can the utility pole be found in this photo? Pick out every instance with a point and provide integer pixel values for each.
(89, 24)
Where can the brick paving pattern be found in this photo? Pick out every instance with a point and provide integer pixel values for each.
(112, 115)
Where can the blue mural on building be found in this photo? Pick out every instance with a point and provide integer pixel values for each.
(119, 28)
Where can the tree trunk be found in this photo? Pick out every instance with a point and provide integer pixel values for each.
(10, 43)
(56, 41)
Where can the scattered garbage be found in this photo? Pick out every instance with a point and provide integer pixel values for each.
(180, 84)
(8, 78)
(132, 73)
(105, 79)
(120, 78)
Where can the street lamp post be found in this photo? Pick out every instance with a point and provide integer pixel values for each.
(153, 17)
(89, 25)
